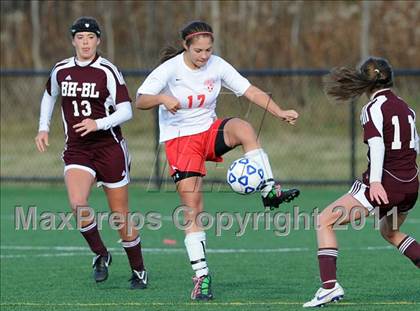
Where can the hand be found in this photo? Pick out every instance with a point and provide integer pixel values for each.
(378, 193)
(86, 126)
(171, 103)
(290, 116)
(41, 141)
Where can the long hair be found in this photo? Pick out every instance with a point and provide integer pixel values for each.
(344, 83)
(187, 35)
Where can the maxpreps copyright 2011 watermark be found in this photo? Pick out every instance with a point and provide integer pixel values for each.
(281, 223)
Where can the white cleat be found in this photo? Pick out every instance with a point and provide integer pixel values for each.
(324, 296)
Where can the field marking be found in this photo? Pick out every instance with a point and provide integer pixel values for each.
(80, 250)
(166, 218)
(185, 304)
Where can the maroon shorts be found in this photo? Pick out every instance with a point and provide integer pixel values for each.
(110, 164)
(402, 201)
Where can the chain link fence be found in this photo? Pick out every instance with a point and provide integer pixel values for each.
(325, 147)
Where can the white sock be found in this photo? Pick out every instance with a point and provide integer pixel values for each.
(261, 158)
(195, 243)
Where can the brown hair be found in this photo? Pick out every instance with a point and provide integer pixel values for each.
(343, 83)
(187, 34)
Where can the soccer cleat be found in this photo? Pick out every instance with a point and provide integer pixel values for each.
(324, 296)
(202, 288)
(276, 196)
(100, 267)
(139, 279)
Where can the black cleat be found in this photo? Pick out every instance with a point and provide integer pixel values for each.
(139, 279)
(100, 267)
(202, 288)
(276, 196)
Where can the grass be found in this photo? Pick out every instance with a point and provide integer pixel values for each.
(50, 270)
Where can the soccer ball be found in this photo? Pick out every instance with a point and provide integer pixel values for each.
(245, 176)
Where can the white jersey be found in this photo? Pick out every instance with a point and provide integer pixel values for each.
(196, 91)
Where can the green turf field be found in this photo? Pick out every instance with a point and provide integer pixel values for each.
(50, 270)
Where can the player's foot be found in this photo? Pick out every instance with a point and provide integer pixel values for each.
(202, 288)
(277, 195)
(324, 296)
(139, 279)
(100, 267)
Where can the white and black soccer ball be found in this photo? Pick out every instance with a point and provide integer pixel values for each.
(245, 176)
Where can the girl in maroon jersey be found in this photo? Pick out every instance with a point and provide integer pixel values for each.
(95, 102)
(391, 179)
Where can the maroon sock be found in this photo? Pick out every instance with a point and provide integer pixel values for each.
(327, 258)
(91, 234)
(410, 248)
(134, 254)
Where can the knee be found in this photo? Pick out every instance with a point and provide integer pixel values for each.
(325, 220)
(77, 202)
(242, 130)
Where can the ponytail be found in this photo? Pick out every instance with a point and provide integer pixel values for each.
(343, 83)
(168, 52)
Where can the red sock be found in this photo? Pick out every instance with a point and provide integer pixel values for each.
(410, 248)
(134, 254)
(327, 258)
(91, 234)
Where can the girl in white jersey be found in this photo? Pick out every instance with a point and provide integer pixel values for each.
(185, 87)
(91, 88)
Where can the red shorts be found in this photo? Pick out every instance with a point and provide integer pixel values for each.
(189, 153)
(110, 164)
(402, 201)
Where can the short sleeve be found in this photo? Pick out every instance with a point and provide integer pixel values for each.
(232, 79)
(51, 86)
(115, 83)
(156, 81)
(372, 121)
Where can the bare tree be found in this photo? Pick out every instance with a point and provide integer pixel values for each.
(135, 40)
(109, 29)
(150, 37)
(215, 21)
(364, 34)
(36, 35)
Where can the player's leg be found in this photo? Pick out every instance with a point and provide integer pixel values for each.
(338, 213)
(118, 203)
(407, 245)
(190, 192)
(113, 167)
(79, 180)
(239, 132)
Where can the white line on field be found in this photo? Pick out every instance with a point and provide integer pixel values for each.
(167, 218)
(79, 250)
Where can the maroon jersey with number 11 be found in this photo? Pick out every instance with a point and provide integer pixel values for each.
(389, 117)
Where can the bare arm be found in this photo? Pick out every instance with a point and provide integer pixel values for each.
(262, 99)
(145, 102)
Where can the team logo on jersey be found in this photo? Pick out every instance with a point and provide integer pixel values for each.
(68, 78)
(209, 84)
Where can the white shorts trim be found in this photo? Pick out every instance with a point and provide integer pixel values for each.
(357, 191)
(118, 184)
(80, 167)
(126, 179)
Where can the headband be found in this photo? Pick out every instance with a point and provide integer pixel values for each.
(198, 33)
